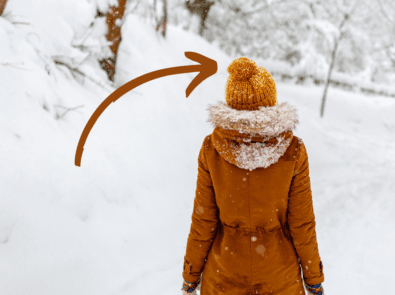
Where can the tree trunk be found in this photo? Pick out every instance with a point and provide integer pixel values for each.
(328, 79)
(161, 24)
(113, 35)
(201, 8)
(2, 6)
(164, 24)
(333, 59)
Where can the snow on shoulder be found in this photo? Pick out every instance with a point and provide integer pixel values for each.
(252, 139)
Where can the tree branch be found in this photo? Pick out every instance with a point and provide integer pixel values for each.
(384, 12)
(76, 70)
(21, 23)
(11, 63)
(67, 110)
(239, 11)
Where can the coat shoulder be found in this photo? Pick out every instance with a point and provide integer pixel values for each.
(297, 140)
(208, 142)
(292, 150)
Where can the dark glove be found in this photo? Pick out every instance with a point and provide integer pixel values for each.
(315, 289)
(189, 287)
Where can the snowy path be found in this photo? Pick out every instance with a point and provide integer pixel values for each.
(353, 184)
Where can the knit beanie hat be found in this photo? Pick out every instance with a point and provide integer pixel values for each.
(249, 86)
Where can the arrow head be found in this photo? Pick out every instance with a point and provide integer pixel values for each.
(208, 67)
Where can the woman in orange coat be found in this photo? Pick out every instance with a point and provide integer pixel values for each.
(253, 224)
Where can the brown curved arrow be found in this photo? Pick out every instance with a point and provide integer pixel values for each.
(207, 68)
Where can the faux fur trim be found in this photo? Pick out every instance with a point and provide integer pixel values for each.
(252, 139)
(267, 121)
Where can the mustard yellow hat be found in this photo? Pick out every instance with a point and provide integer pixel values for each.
(249, 86)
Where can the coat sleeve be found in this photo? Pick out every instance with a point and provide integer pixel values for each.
(205, 217)
(301, 220)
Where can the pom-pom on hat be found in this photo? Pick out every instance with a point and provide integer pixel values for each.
(249, 87)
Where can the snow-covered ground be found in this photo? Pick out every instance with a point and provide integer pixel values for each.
(119, 223)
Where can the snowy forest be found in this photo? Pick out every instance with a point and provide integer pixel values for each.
(119, 223)
(302, 38)
(297, 40)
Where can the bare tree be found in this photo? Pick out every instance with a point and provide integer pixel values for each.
(346, 13)
(161, 22)
(113, 18)
(201, 8)
(2, 6)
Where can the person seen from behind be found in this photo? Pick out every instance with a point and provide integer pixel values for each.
(253, 223)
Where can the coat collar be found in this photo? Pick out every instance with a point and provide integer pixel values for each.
(252, 139)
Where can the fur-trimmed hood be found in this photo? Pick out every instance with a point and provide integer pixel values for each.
(252, 139)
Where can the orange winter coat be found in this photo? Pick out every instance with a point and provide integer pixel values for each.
(253, 212)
